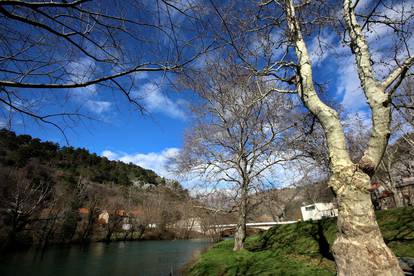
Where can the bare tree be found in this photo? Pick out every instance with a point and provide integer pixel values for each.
(403, 106)
(272, 39)
(277, 202)
(22, 200)
(237, 136)
(396, 165)
(359, 234)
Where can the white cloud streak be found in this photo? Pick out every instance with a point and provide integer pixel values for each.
(157, 102)
(349, 86)
(159, 162)
(78, 72)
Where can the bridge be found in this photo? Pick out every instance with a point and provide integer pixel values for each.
(195, 226)
(256, 225)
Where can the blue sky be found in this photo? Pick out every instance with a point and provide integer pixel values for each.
(118, 131)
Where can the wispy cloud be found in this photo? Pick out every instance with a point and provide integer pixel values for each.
(348, 85)
(321, 47)
(381, 40)
(78, 72)
(156, 101)
(159, 162)
(361, 119)
(98, 107)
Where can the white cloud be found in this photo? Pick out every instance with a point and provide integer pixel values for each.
(321, 47)
(80, 71)
(381, 39)
(156, 101)
(98, 107)
(359, 119)
(109, 154)
(159, 162)
(349, 86)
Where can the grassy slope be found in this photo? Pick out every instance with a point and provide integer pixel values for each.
(300, 249)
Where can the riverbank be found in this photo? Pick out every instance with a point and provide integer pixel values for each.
(24, 243)
(300, 249)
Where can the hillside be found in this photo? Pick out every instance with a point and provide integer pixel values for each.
(300, 249)
(19, 150)
(53, 194)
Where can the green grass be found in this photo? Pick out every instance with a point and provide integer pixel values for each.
(300, 249)
(221, 260)
(397, 227)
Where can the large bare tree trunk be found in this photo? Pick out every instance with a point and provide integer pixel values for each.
(359, 248)
(240, 235)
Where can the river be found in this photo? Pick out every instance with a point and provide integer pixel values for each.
(118, 258)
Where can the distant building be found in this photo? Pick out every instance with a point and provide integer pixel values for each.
(120, 213)
(83, 211)
(318, 211)
(126, 225)
(103, 218)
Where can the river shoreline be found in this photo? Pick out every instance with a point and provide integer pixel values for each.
(116, 237)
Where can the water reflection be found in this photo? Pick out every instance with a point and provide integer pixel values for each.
(123, 258)
(98, 250)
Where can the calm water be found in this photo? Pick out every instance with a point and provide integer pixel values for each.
(120, 258)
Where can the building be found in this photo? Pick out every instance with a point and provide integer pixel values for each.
(103, 218)
(318, 211)
(126, 225)
(83, 211)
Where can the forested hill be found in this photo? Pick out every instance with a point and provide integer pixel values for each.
(70, 163)
(52, 194)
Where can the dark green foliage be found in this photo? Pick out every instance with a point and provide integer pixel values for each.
(20, 150)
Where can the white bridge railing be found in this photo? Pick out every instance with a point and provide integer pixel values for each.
(261, 225)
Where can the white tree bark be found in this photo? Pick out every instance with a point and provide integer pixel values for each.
(359, 248)
(240, 235)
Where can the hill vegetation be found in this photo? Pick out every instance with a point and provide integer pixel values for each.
(19, 150)
(53, 194)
